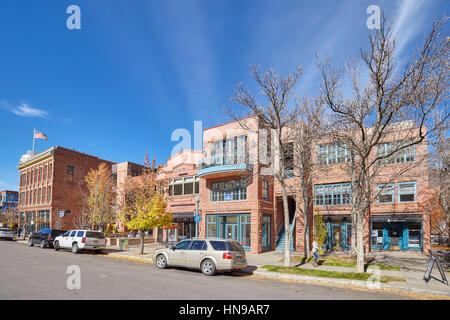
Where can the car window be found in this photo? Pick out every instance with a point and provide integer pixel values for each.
(183, 245)
(80, 234)
(73, 233)
(235, 246)
(66, 234)
(95, 235)
(198, 245)
(56, 233)
(219, 245)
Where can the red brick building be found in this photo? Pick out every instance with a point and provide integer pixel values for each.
(51, 186)
(242, 201)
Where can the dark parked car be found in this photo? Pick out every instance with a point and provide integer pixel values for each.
(44, 237)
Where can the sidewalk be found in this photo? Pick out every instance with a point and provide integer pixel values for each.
(412, 269)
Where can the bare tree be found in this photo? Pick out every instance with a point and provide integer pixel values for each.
(277, 116)
(305, 135)
(393, 107)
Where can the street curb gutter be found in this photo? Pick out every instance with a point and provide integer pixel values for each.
(315, 280)
(352, 283)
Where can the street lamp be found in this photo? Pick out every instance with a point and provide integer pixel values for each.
(197, 200)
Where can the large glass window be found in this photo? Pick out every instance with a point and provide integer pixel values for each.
(245, 230)
(332, 194)
(414, 232)
(386, 193)
(377, 234)
(211, 226)
(183, 186)
(229, 190)
(401, 156)
(407, 192)
(229, 151)
(332, 153)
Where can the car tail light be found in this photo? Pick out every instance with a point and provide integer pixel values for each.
(83, 240)
(106, 241)
(48, 238)
(226, 255)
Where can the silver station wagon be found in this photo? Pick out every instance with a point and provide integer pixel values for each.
(208, 254)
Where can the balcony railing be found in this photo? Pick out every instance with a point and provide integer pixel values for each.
(221, 163)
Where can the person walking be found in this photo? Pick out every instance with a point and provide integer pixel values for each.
(315, 250)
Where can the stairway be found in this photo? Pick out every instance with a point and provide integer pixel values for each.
(281, 238)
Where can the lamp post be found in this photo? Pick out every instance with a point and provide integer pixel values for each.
(197, 200)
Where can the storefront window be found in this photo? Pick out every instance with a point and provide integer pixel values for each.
(414, 234)
(245, 230)
(377, 234)
(211, 227)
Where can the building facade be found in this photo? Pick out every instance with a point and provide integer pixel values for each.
(236, 199)
(51, 187)
(8, 199)
(241, 200)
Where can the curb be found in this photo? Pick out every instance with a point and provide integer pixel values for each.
(258, 273)
(352, 283)
(127, 257)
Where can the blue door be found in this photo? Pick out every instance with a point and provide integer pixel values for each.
(395, 236)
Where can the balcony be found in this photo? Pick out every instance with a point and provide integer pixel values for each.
(219, 167)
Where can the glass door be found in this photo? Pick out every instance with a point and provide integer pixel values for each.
(265, 232)
(231, 231)
(336, 237)
(395, 236)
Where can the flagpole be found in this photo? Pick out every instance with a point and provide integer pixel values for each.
(34, 131)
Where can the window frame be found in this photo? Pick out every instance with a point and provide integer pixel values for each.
(379, 192)
(399, 184)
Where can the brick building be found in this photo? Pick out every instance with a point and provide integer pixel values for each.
(8, 199)
(236, 198)
(51, 187)
(240, 200)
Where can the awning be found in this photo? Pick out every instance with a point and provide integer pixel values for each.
(183, 214)
(396, 218)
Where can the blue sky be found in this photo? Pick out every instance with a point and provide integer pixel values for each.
(137, 70)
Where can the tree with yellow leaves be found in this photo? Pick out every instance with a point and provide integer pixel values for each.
(144, 207)
(101, 196)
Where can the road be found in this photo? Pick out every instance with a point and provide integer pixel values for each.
(35, 273)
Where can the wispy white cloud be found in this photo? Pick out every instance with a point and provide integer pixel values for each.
(5, 185)
(408, 19)
(24, 110)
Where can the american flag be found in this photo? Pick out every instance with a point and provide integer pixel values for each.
(39, 135)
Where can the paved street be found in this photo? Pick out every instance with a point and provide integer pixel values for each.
(34, 273)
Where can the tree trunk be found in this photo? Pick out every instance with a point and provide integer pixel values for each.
(287, 253)
(360, 244)
(353, 243)
(142, 242)
(306, 226)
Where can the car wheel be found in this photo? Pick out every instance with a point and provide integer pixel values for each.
(56, 246)
(75, 248)
(208, 267)
(30, 243)
(161, 261)
(42, 245)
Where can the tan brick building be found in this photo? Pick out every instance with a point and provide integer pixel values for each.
(51, 186)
